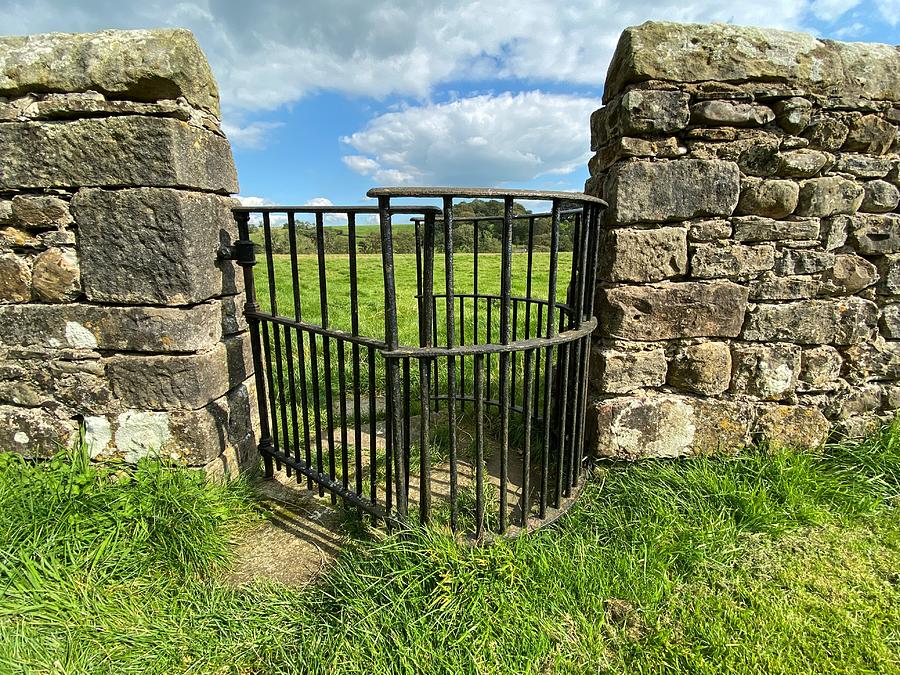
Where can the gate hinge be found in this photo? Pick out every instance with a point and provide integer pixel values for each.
(242, 252)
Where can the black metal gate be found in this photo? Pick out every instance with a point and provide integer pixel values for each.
(395, 395)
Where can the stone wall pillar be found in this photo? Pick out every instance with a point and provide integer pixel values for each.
(751, 267)
(117, 319)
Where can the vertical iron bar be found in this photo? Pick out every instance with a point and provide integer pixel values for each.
(582, 242)
(479, 446)
(488, 336)
(342, 393)
(591, 221)
(354, 328)
(317, 404)
(247, 260)
(276, 397)
(392, 340)
(407, 441)
(462, 341)
(451, 360)
(326, 346)
(373, 431)
(548, 365)
(425, 372)
(475, 337)
(505, 293)
(301, 350)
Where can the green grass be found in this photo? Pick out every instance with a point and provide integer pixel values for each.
(763, 563)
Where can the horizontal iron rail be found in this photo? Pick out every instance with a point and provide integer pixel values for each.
(586, 328)
(403, 210)
(325, 481)
(316, 328)
(520, 216)
(474, 193)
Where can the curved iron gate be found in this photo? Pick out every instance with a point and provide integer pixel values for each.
(417, 411)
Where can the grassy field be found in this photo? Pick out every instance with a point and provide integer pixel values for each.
(764, 563)
(371, 288)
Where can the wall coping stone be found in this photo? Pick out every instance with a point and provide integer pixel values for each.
(140, 65)
(674, 52)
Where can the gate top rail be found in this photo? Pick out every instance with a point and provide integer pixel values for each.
(490, 193)
(403, 210)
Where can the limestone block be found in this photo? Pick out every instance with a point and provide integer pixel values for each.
(39, 211)
(717, 52)
(191, 437)
(127, 237)
(820, 367)
(773, 287)
(829, 196)
(666, 426)
(873, 234)
(890, 321)
(731, 114)
(880, 197)
(703, 368)
(768, 198)
(862, 166)
(875, 360)
(644, 255)
(35, 432)
(889, 274)
(709, 230)
(792, 426)
(853, 400)
(870, 133)
(644, 191)
(170, 382)
(768, 372)
(5, 211)
(754, 228)
(637, 112)
(634, 428)
(620, 372)
(839, 322)
(835, 230)
(720, 426)
(826, 133)
(56, 276)
(129, 150)
(793, 114)
(142, 65)
(623, 147)
(802, 163)
(709, 261)
(70, 384)
(792, 261)
(848, 274)
(131, 329)
(672, 310)
(15, 278)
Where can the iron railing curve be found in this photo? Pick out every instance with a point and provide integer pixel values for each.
(301, 363)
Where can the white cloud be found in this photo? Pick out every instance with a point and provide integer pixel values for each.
(482, 140)
(889, 10)
(253, 201)
(267, 54)
(254, 136)
(829, 10)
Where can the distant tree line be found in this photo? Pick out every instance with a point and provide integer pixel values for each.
(368, 238)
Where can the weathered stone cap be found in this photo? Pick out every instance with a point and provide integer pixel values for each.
(678, 52)
(141, 65)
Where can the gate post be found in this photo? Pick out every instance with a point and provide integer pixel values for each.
(118, 319)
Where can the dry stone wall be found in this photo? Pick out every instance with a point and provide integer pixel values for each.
(750, 275)
(117, 319)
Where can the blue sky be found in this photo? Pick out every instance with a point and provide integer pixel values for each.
(323, 100)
